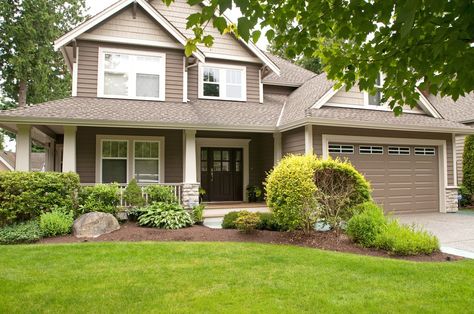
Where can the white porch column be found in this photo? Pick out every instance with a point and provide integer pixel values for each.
(277, 150)
(69, 149)
(190, 170)
(23, 147)
(308, 139)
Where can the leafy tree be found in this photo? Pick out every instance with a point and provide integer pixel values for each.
(468, 165)
(309, 63)
(426, 44)
(31, 71)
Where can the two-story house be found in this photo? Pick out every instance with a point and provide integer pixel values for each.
(223, 117)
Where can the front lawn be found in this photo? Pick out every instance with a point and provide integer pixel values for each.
(223, 277)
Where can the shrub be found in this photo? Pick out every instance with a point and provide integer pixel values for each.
(25, 195)
(340, 188)
(198, 212)
(25, 232)
(57, 222)
(269, 222)
(99, 198)
(290, 191)
(468, 166)
(133, 194)
(247, 221)
(160, 194)
(364, 227)
(229, 220)
(165, 216)
(406, 240)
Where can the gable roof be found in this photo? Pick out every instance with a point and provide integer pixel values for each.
(461, 110)
(290, 73)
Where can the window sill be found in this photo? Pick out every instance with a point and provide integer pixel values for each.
(131, 98)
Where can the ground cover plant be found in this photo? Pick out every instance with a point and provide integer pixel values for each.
(164, 215)
(24, 232)
(224, 278)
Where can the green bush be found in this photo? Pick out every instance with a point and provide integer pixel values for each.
(229, 220)
(468, 167)
(247, 221)
(55, 223)
(198, 212)
(165, 216)
(364, 227)
(99, 198)
(25, 195)
(160, 194)
(406, 240)
(25, 232)
(133, 194)
(269, 222)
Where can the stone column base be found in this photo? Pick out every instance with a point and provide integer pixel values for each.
(190, 195)
(451, 200)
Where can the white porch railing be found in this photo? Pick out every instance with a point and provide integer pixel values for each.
(177, 189)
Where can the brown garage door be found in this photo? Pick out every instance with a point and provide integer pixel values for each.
(404, 178)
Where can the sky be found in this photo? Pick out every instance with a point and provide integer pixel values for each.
(96, 6)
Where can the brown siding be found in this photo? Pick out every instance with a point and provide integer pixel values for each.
(86, 150)
(459, 153)
(253, 93)
(88, 66)
(293, 141)
(277, 90)
(319, 130)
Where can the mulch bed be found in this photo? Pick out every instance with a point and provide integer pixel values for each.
(130, 232)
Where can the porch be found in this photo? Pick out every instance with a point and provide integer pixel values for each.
(216, 165)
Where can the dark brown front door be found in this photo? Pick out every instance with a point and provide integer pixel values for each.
(221, 174)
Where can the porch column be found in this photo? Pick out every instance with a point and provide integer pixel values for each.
(69, 149)
(308, 139)
(23, 147)
(277, 154)
(190, 193)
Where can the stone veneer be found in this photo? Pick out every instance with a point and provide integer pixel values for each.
(451, 200)
(190, 195)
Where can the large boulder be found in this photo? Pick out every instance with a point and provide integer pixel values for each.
(94, 224)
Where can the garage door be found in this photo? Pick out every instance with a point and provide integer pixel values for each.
(404, 179)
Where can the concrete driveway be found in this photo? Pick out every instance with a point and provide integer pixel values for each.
(455, 231)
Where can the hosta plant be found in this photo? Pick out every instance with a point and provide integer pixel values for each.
(165, 216)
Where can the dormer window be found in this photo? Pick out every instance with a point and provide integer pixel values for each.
(222, 82)
(376, 99)
(131, 74)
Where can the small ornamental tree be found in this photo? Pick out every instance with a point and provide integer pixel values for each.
(133, 194)
(468, 166)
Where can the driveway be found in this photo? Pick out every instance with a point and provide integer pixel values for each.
(455, 231)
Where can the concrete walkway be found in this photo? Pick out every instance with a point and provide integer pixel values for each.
(455, 231)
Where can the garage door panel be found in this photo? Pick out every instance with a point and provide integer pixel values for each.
(400, 183)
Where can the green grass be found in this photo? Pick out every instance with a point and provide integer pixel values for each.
(223, 278)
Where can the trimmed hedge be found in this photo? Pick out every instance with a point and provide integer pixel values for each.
(99, 198)
(160, 194)
(26, 195)
(364, 228)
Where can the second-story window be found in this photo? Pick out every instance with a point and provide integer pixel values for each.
(222, 82)
(130, 74)
(376, 99)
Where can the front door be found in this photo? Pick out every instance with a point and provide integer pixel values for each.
(222, 174)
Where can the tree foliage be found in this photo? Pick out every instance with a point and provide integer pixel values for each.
(31, 71)
(426, 44)
(468, 165)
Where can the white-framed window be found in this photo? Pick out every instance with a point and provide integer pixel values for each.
(425, 151)
(226, 82)
(370, 150)
(131, 74)
(341, 149)
(375, 100)
(120, 158)
(114, 157)
(146, 161)
(398, 150)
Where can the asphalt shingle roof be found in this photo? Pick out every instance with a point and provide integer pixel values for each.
(291, 74)
(460, 110)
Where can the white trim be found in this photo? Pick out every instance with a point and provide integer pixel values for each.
(116, 7)
(455, 159)
(281, 114)
(69, 149)
(441, 144)
(130, 139)
(191, 157)
(368, 107)
(308, 139)
(260, 86)
(226, 143)
(130, 41)
(75, 68)
(277, 83)
(326, 97)
(220, 56)
(10, 167)
(185, 81)
(425, 104)
(222, 80)
(130, 52)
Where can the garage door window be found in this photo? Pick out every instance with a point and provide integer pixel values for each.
(371, 150)
(425, 151)
(397, 150)
(341, 149)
